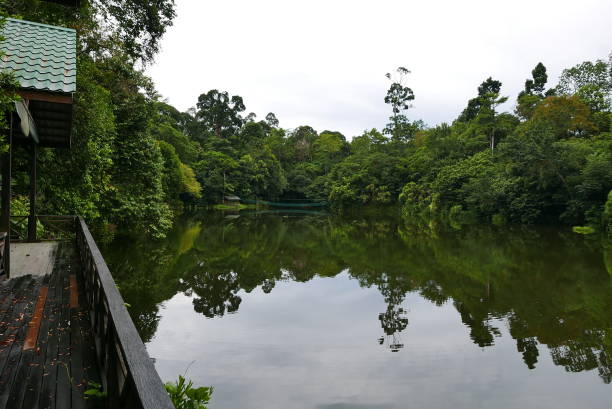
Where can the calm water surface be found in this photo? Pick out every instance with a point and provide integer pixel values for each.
(326, 312)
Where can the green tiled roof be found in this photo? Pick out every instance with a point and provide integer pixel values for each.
(42, 57)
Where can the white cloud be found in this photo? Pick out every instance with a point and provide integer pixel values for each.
(322, 63)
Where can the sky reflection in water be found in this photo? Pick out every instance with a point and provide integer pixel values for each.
(306, 312)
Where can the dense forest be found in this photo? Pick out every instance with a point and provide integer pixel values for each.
(136, 161)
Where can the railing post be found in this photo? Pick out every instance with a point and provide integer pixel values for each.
(32, 216)
(5, 221)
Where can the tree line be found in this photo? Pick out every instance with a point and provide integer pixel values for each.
(136, 161)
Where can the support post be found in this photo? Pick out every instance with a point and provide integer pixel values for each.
(32, 216)
(5, 200)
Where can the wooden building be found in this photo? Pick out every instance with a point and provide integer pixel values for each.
(231, 200)
(43, 60)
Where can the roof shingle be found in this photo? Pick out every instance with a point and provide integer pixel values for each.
(42, 57)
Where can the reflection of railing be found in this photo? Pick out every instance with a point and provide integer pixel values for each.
(48, 227)
(128, 374)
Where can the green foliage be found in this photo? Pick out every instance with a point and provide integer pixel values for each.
(552, 164)
(172, 172)
(135, 26)
(219, 113)
(415, 199)
(113, 173)
(399, 96)
(528, 99)
(583, 229)
(94, 391)
(271, 120)
(185, 396)
(190, 184)
(487, 88)
(607, 215)
(8, 86)
(78, 181)
(186, 149)
(536, 85)
(568, 116)
(212, 171)
(591, 82)
(135, 158)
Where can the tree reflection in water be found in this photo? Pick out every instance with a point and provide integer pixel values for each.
(550, 287)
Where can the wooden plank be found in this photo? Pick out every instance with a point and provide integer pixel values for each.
(74, 292)
(14, 290)
(34, 381)
(58, 98)
(9, 290)
(76, 340)
(9, 329)
(63, 388)
(52, 371)
(16, 334)
(17, 391)
(50, 366)
(18, 386)
(34, 325)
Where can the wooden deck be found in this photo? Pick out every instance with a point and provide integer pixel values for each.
(47, 351)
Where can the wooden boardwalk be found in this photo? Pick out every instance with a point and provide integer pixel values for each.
(47, 350)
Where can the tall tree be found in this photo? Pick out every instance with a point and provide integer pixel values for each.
(538, 82)
(590, 81)
(8, 86)
(530, 97)
(488, 87)
(399, 96)
(271, 120)
(220, 113)
(487, 116)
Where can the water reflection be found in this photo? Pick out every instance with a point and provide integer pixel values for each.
(549, 288)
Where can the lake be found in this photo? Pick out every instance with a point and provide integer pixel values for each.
(311, 310)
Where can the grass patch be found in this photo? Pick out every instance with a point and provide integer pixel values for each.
(239, 206)
(583, 229)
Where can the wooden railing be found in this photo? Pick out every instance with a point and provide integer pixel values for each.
(48, 228)
(128, 374)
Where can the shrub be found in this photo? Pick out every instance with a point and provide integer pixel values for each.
(185, 396)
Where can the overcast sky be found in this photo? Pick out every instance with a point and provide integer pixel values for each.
(323, 63)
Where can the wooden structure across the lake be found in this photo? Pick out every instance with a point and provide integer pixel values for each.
(288, 203)
(64, 327)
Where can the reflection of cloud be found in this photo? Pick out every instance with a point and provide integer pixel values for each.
(356, 406)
